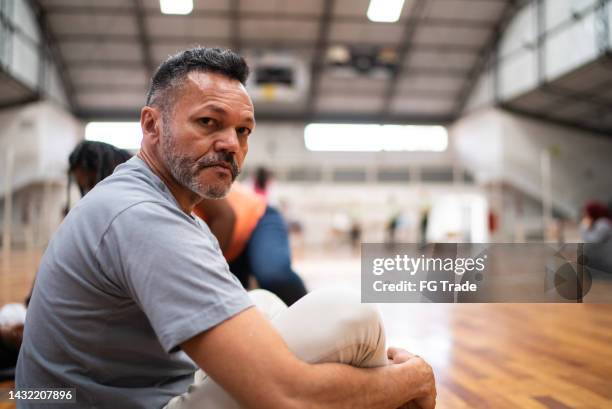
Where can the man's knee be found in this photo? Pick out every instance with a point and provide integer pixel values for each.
(357, 316)
(268, 303)
(346, 313)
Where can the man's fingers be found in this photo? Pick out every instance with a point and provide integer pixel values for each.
(399, 355)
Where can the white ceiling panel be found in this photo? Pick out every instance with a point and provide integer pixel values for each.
(89, 3)
(353, 86)
(112, 100)
(479, 10)
(198, 5)
(368, 33)
(441, 59)
(353, 104)
(437, 34)
(102, 51)
(178, 26)
(354, 8)
(422, 105)
(359, 8)
(424, 82)
(313, 7)
(278, 30)
(108, 76)
(98, 24)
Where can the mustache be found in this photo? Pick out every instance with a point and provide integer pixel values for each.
(222, 158)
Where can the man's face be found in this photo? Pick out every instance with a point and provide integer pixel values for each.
(205, 134)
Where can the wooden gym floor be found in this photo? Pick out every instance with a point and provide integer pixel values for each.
(531, 356)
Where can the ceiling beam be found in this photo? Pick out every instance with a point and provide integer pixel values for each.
(318, 59)
(403, 54)
(262, 15)
(143, 37)
(487, 53)
(300, 117)
(292, 44)
(602, 132)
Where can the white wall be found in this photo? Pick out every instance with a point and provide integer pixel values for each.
(40, 137)
(498, 146)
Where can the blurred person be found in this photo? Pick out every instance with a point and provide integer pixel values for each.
(133, 291)
(12, 318)
(261, 182)
(596, 231)
(255, 241)
(596, 226)
(355, 232)
(91, 162)
(423, 225)
(391, 228)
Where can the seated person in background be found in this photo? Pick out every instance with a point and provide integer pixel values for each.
(596, 230)
(12, 317)
(133, 293)
(254, 240)
(91, 162)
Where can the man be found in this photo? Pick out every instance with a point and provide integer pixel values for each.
(133, 293)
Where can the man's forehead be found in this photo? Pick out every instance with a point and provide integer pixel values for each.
(209, 89)
(213, 81)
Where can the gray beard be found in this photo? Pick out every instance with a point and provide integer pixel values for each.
(185, 170)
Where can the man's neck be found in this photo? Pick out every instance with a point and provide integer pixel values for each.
(185, 198)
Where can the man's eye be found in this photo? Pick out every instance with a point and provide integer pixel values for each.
(207, 121)
(243, 131)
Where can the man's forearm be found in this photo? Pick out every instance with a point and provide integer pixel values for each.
(339, 386)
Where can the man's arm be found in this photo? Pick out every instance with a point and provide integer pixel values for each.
(250, 360)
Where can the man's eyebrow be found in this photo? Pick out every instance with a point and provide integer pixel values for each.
(215, 108)
(222, 111)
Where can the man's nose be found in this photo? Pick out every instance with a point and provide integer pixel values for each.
(227, 141)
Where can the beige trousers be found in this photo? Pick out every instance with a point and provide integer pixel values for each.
(323, 326)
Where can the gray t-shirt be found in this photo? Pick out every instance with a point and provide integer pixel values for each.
(126, 279)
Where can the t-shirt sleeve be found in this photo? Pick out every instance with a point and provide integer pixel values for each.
(173, 269)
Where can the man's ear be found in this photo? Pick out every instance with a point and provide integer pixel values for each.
(150, 122)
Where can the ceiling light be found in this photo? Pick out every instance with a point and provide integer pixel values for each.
(176, 6)
(385, 11)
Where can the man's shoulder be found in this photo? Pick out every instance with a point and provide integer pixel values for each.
(129, 192)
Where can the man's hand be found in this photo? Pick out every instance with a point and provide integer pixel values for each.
(426, 400)
(12, 335)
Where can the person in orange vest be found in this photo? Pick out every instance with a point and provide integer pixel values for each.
(255, 241)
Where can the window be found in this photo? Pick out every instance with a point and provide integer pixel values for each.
(374, 138)
(124, 135)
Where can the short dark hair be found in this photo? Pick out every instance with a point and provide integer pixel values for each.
(172, 71)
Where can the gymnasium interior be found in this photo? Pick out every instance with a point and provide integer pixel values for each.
(410, 121)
